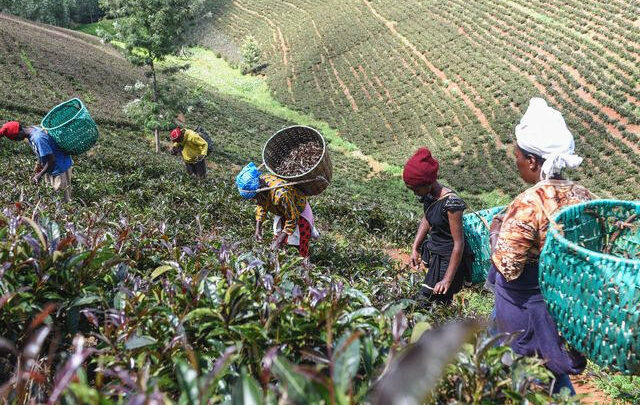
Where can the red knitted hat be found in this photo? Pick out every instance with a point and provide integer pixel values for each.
(175, 134)
(421, 169)
(11, 130)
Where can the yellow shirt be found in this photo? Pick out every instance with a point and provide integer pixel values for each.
(193, 146)
(287, 201)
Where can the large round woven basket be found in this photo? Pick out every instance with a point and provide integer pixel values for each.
(71, 127)
(280, 145)
(590, 278)
(476, 235)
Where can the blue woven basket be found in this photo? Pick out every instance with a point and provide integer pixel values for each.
(71, 127)
(476, 234)
(590, 279)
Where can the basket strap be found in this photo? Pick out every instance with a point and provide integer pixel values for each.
(295, 183)
(484, 221)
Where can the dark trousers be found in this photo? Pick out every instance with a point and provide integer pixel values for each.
(198, 169)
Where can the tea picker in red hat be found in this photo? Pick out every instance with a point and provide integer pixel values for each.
(439, 241)
(53, 164)
(194, 150)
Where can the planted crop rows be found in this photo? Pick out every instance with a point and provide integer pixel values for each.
(457, 76)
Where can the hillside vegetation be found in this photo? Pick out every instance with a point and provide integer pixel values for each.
(455, 76)
(148, 287)
(45, 65)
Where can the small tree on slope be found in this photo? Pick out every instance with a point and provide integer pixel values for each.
(150, 31)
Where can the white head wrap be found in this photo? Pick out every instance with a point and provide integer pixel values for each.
(543, 132)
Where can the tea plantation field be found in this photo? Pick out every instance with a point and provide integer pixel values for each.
(148, 287)
(455, 76)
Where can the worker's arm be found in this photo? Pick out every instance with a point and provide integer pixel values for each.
(175, 148)
(50, 162)
(416, 251)
(261, 214)
(291, 214)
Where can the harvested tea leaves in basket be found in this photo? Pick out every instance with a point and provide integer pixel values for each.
(619, 237)
(301, 158)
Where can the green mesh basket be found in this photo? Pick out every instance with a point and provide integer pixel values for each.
(590, 278)
(71, 127)
(476, 235)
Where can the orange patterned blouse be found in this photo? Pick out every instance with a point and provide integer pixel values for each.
(525, 224)
(286, 201)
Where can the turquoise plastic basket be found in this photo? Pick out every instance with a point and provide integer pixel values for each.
(591, 281)
(71, 127)
(476, 234)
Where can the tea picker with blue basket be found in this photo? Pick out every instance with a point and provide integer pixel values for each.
(439, 241)
(53, 163)
(545, 147)
(298, 158)
(272, 194)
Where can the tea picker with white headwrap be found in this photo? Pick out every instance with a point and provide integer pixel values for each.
(545, 147)
(543, 133)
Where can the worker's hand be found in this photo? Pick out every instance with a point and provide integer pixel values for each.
(279, 241)
(416, 259)
(258, 235)
(494, 231)
(496, 224)
(35, 179)
(442, 286)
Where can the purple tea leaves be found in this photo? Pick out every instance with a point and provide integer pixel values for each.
(31, 351)
(317, 295)
(36, 248)
(91, 316)
(63, 378)
(267, 282)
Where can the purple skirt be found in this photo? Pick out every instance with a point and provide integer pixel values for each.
(521, 307)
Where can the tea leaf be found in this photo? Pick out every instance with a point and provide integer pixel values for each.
(246, 391)
(346, 360)
(160, 271)
(136, 342)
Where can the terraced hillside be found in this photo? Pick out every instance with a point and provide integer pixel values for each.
(44, 65)
(456, 76)
(149, 287)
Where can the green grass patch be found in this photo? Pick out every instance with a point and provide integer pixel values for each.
(93, 28)
(27, 62)
(488, 199)
(215, 71)
(619, 387)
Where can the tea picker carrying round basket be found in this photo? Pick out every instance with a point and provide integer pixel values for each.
(71, 127)
(590, 279)
(299, 155)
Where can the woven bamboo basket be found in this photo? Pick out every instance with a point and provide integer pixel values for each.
(476, 235)
(318, 177)
(590, 278)
(71, 127)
